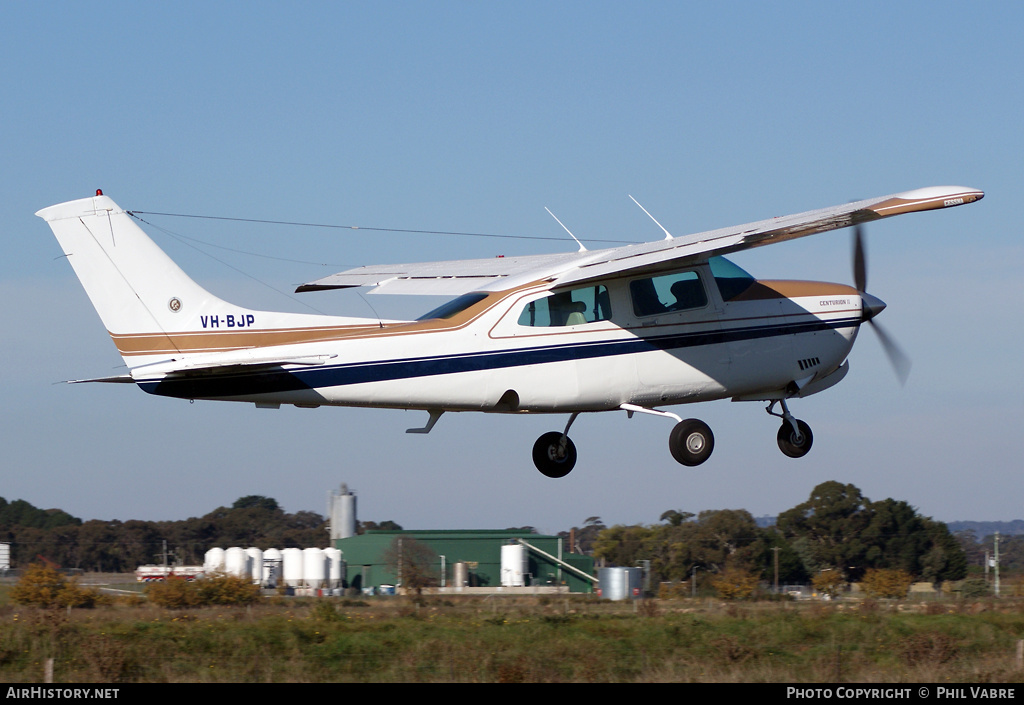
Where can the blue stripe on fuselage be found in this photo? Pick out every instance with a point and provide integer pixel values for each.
(235, 382)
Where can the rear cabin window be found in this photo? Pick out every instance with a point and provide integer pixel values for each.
(568, 308)
(669, 293)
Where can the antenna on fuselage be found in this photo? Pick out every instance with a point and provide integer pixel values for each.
(582, 248)
(668, 235)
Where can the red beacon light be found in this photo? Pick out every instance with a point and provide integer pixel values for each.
(99, 192)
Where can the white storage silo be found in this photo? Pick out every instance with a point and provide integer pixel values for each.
(236, 562)
(255, 564)
(314, 567)
(341, 511)
(291, 563)
(335, 567)
(272, 567)
(213, 561)
(514, 565)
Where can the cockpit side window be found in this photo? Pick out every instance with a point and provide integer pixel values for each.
(669, 293)
(568, 308)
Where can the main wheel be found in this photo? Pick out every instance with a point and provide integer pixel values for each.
(793, 445)
(553, 457)
(691, 442)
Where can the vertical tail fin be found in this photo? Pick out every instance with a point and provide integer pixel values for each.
(150, 307)
(134, 286)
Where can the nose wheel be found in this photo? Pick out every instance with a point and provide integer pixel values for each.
(794, 437)
(795, 443)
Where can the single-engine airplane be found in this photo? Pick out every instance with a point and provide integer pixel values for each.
(631, 328)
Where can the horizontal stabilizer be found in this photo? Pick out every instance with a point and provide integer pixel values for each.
(119, 379)
(221, 362)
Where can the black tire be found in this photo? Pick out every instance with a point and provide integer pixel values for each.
(691, 442)
(790, 444)
(550, 458)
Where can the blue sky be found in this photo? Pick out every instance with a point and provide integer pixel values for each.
(472, 117)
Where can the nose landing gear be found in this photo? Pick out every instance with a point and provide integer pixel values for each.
(794, 437)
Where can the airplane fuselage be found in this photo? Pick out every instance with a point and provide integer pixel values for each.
(756, 343)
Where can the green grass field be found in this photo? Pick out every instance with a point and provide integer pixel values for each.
(505, 639)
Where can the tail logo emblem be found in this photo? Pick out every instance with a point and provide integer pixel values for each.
(174, 304)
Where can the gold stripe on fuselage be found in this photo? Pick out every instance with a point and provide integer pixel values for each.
(133, 344)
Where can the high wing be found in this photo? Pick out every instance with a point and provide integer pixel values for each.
(452, 277)
(460, 276)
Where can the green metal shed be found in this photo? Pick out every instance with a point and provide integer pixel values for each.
(375, 558)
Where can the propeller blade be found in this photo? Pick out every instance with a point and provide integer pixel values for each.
(860, 267)
(897, 358)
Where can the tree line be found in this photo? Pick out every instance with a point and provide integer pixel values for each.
(836, 529)
(56, 537)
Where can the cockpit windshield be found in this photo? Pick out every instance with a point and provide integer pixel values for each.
(453, 307)
(731, 279)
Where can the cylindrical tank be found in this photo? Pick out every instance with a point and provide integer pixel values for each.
(342, 513)
(335, 567)
(314, 567)
(213, 561)
(272, 567)
(291, 563)
(255, 564)
(514, 566)
(620, 583)
(236, 562)
(460, 574)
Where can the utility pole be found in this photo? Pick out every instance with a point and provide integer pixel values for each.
(997, 563)
(776, 550)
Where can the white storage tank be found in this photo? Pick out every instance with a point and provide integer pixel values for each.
(620, 583)
(213, 561)
(236, 562)
(341, 510)
(335, 567)
(514, 565)
(255, 564)
(291, 561)
(272, 568)
(314, 567)
(460, 574)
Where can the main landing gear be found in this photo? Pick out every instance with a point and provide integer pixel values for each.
(554, 453)
(690, 442)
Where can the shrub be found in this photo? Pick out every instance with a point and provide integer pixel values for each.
(216, 589)
(174, 593)
(735, 584)
(887, 582)
(974, 587)
(45, 586)
(828, 582)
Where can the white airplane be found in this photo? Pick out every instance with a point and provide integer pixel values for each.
(630, 328)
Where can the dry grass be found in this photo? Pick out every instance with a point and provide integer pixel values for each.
(500, 639)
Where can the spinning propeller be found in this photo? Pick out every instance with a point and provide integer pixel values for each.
(872, 306)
